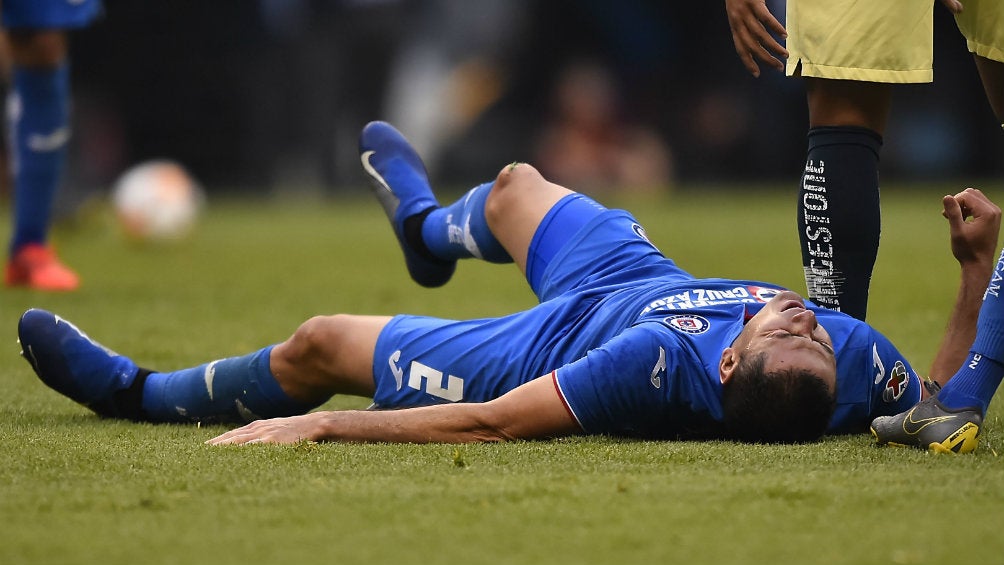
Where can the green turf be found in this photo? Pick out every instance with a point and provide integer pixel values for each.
(76, 489)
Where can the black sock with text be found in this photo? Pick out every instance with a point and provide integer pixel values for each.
(839, 218)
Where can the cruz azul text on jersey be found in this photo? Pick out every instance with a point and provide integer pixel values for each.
(702, 297)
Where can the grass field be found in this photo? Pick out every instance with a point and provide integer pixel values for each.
(77, 489)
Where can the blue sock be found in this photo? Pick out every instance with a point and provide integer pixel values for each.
(973, 385)
(38, 117)
(977, 381)
(460, 230)
(233, 389)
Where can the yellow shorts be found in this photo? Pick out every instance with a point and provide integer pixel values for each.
(982, 23)
(862, 40)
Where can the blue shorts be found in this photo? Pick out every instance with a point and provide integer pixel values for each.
(49, 14)
(580, 251)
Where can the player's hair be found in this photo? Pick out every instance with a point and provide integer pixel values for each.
(787, 406)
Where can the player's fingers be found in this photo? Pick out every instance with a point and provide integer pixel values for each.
(770, 22)
(771, 45)
(228, 438)
(758, 33)
(952, 210)
(975, 203)
(245, 438)
(752, 46)
(767, 49)
(745, 56)
(225, 440)
(236, 435)
(767, 57)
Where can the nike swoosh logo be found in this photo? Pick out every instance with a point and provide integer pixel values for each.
(209, 375)
(913, 427)
(107, 351)
(49, 142)
(381, 189)
(365, 158)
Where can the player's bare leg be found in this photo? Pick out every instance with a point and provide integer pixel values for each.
(328, 355)
(848, 103)
(992, 75)
(516, 205)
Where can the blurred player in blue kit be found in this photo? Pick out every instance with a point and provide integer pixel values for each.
(38, 113)
(849, 53)
(622, 342)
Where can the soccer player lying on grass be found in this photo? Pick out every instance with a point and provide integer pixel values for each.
(623, 341)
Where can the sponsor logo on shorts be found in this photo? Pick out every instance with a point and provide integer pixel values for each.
(688, 324)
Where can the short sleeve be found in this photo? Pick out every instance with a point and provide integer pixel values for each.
(896, 384)
(875, 379)
(644, 382)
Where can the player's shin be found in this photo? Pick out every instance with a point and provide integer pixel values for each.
(38, 116)
(237, 389)
(839, 216)
(460, 230)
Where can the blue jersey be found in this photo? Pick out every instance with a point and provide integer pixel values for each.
(660, 376)
(48, 14)
(632, 341)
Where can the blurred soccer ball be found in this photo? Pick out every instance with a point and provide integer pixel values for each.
(157, 201)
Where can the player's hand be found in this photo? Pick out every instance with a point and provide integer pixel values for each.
(752, 24)
(974, 225)
(954, 6)
(274, 430)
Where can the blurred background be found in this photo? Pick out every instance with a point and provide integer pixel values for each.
(264, 96)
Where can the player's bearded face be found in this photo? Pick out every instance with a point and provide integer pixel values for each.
(791, 337)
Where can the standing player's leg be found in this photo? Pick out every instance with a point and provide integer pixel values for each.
(849, 53)
(38, 118)
(325, 356)
(992, 75)
(982, 24)
(839, 218)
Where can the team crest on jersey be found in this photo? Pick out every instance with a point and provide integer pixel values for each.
(897, 383)
(763, 294)
(688, 324)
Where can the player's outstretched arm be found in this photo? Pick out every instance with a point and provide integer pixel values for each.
(534, 410)
(974, 226)
(752, 25)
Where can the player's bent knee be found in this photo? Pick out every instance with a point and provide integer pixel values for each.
(306, 357)
(516, 175)
(317, 338)
(514, 184)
